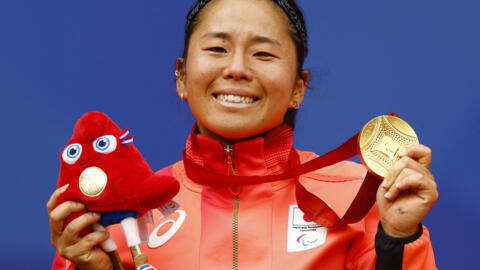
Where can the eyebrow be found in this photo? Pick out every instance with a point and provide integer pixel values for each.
(263, 39)
(222, 35)
(255, 39)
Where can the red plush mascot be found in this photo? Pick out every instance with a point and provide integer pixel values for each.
(107, 173)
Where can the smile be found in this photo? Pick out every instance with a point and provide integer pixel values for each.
(235, 99)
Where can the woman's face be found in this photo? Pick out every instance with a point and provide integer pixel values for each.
(240, 76)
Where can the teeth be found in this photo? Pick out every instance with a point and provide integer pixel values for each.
(235, 99)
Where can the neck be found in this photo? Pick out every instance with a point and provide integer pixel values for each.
(223, 140)
(262, 155)
(207, 133)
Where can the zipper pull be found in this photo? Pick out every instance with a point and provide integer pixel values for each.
(228, 149)
(229, 159)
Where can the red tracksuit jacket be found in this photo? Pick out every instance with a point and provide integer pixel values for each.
(260, 226)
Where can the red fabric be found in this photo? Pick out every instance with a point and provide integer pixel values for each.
(280, 142)
(131, 184)
(203, 237)
(60, 263)
(210, 176)
(280, 151)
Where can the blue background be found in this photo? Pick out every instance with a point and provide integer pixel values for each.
(60, 59)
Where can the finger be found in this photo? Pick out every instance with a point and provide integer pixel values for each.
(406, 172)
(93, 239)
(58, 215)
(52, 202)
(418, 152)
(77, 251)
(427, 190)
(396, 189)
(416, 166)
(73, 229)
(404, 162)
(393, 173)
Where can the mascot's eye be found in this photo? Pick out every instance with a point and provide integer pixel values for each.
(71, 154)
(105, 144)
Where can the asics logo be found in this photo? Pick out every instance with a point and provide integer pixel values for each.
(155, 240)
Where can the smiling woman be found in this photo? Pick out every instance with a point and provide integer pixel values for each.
(240, 77)
(242, 74)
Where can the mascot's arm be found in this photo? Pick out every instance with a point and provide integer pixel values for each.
(155, 191)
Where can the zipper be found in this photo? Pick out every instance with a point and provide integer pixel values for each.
(232, 171)
(235, 232)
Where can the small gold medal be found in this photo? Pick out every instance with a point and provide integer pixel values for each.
(92, 181)
(380, 141)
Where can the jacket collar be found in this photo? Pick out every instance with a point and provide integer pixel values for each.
(258, 156)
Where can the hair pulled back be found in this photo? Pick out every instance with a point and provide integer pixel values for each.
(298, 33)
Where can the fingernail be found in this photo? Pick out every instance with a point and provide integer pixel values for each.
(388, 195)
(97, 215)
(63, 188)
(402, 152)
(79, 205)
(387, 183)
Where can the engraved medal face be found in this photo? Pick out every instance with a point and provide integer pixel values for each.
(380, 141)
(92, 181)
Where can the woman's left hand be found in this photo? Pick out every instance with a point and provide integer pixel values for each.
(407, 193)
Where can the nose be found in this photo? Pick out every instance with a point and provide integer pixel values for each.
(237, 68)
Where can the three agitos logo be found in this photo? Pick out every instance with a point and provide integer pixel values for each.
(303, 234)
(303, 240)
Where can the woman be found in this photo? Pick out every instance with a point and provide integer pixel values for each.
(242, 75)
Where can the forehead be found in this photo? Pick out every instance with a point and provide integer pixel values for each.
(260, 16)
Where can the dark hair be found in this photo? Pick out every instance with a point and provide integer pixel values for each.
(298, 32)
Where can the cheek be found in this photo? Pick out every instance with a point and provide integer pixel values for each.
(278, 78)
(200, 71)
(280, 88)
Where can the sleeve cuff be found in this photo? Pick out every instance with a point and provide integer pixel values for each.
(386, 240)
(390, 249)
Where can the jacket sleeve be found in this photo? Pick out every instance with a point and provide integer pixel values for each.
(376, 250)
(413, 252)
(60, 263)
(419, 253)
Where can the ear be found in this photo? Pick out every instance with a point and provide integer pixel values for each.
(180, 78)
(298, 93)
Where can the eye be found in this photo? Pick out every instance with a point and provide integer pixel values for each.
(264, 55)
(105, 144)
(71, 154)
(217, 50)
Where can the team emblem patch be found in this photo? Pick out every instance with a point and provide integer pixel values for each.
(303, 234)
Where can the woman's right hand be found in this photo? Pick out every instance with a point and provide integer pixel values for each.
(84, 252)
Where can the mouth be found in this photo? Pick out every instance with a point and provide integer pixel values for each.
(235, 99)
(86, 162)
(235, 96)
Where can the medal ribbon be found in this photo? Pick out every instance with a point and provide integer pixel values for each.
(313, 207)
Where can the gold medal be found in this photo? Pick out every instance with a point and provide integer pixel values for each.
(380, 141)
(92, 181)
